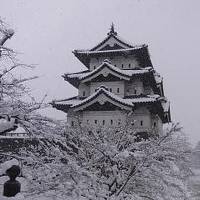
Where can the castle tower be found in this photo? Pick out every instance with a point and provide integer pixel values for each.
(119, 86)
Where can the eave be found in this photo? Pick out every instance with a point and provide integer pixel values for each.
(116, 37)
(87, 76)
(157, 105)
(140, 52)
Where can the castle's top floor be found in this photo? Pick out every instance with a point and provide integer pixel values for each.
(120, 53)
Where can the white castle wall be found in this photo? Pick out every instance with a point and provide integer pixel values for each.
(113, 86)
(141, 119)
(84, 90)
(120, 88)
(134, 87)
(122, 62)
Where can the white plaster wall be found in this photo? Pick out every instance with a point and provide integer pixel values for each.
(158, 122)
(75, 117)
(128, 62)
(114, 85)
(140, 119)
(84, 87)
(118, 118)
(117, 61)
(95, 118)
(131, 86)
(148, 90)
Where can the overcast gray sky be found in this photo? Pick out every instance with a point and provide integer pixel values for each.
(46, 31)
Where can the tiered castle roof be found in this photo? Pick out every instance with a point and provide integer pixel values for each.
(119, 47)
(157, 103)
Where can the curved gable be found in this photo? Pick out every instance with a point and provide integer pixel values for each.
(111, 43)
(106, 69)
(102, 99)
(102, 96)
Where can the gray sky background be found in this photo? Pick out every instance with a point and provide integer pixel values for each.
(46, 31)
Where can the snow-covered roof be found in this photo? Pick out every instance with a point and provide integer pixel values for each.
(113, 45)
(113, 34)
(87, 52)
(129, 73)
(128, 101)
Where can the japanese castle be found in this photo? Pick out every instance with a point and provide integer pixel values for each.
(120, 86)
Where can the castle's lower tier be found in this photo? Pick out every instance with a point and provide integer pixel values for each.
(141, 120)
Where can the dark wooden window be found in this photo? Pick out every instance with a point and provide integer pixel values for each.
(94, 67)
(111, 122)
(129, 65)
(72, 123)
(110, 89)
(95, 121)
(135, 91)
(141, 123)
(154, 124)
(117, 90)
(83, 93)
(122, 66)
(103, 122)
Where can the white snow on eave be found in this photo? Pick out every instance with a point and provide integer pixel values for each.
(129, 102)
(123, 41)
(107, 51)
(124, 72)
(67, 102)
(129, 43)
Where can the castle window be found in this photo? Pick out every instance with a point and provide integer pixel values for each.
(122, 66)
(135, 91)
(117, 90)
(154, 124)
(95, 90)
(72, 123)
(111, 122)
(141, 123)
(94, 67)
(115, 65)
(110, 89)
(83, 93)
(129, 65)
(88, 121)
(95, 121)
(103, 122)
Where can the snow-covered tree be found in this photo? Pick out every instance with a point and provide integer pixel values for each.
(112, 164)
(17, 106)
(89, 163)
